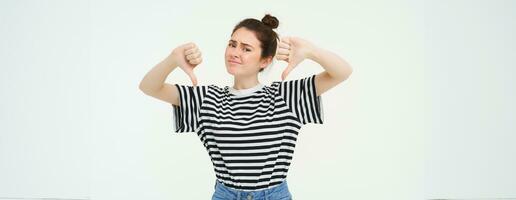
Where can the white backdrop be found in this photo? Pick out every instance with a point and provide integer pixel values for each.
(75, 126)
(471, 88)
(45, 88)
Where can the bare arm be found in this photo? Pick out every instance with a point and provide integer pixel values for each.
(336, 69)
(153, 83)
(294, 50)
(187, 57)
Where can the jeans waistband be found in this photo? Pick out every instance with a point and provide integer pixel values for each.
(282, 187)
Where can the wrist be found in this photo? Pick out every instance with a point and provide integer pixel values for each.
(171, 60)
(313, 53)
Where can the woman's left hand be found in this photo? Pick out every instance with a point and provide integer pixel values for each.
(293, 50)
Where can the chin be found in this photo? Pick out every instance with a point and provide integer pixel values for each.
(231, 70)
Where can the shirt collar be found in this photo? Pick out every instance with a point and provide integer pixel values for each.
(244, 92)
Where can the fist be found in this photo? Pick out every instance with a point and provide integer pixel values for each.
(188, 56)
(293, 50)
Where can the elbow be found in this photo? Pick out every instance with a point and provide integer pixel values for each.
(344, 75)
(145, 89)
(141, 87)
(151, 91)
(349, 71)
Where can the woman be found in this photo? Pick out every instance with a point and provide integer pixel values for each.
(249, 129)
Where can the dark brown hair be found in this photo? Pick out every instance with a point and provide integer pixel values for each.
(263, 30)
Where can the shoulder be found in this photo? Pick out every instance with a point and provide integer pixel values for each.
(200, 89)
(216, 90)
(203, 87)
(293, 84)
(273, 88)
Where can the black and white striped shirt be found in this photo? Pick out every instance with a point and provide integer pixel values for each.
(250, 137)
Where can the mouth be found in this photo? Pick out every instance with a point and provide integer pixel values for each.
(233, 62)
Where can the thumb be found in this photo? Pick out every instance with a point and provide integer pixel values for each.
(192, 76)
(287, 71)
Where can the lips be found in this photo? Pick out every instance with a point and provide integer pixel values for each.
(233, 61)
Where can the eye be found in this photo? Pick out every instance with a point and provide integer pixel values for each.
(246, 49)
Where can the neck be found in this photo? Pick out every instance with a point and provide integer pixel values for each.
(245, 82)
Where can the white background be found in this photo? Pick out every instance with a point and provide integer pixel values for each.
(426, 113)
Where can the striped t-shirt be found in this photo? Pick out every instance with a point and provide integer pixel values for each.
(250, 135)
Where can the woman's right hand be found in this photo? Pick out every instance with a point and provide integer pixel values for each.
(187, 57)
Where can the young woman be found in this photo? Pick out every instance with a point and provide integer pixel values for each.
(249, 129)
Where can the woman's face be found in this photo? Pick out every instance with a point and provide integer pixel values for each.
(242, 56)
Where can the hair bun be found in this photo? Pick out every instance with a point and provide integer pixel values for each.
(270, 21)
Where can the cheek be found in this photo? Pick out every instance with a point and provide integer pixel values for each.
(255, 60)
(226, 53)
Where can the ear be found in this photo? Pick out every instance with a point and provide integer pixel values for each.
(265, 62)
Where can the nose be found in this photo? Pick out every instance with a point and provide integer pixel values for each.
(234, 56)
(234, 53)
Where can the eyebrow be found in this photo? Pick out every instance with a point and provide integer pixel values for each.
(242, 43)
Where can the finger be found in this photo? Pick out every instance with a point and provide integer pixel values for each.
(284, 45)
(194, 55)
(189, 45)
(287, 71)
(285, 39)
(191, 51)
(195, 61)
(192, 77)
(282, 51)
(282, 57)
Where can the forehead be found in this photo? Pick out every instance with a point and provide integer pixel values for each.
(242, 35)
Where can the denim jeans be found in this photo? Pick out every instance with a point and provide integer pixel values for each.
(278, 192)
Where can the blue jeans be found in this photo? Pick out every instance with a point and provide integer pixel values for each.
(278, 192)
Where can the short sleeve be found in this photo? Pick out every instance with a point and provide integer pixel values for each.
(300, 95)
(186, 114)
